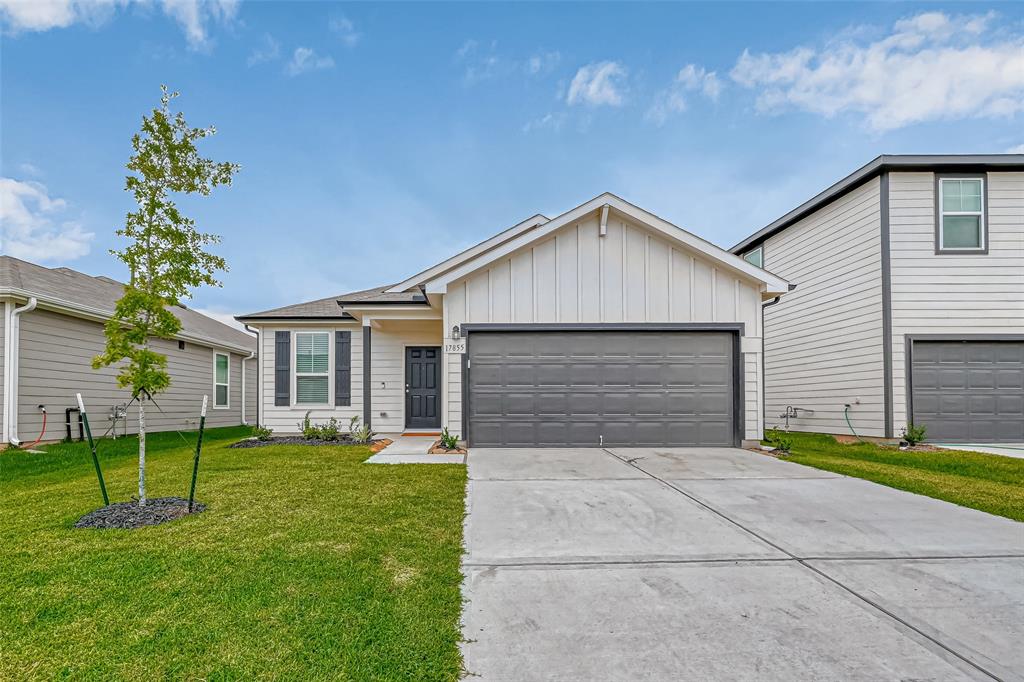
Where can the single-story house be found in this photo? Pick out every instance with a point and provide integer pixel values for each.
(52, 328)
(910, 304)
(605, 325)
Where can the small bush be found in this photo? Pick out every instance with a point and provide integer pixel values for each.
(448, 441)
(780, 440)
(262, 432)
(306, 428)
(329, 430)
(914, 434)
(359, 432)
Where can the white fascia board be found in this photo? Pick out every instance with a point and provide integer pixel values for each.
(772, 285)
(472, 252)
(100, 315)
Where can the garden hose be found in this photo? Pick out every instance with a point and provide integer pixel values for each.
(846, 413)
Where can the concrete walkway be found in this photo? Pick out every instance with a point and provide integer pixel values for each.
(1004, 449)
(705, 564)
(411, 450)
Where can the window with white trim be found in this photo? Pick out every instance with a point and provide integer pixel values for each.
(755, 256)
(961, 214)
(221, 379)
(312, 367)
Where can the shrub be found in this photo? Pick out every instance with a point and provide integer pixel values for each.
(307, 429)
(448, 441)
(780, 440)
(262, 432)
(329, 430)
(359, 432)
(914, 434)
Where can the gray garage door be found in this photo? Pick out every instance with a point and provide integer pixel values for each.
(585, 388)
(969, 391)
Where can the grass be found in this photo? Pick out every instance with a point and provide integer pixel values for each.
(307, 565)
(991, 483)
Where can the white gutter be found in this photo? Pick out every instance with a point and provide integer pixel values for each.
(11, 336)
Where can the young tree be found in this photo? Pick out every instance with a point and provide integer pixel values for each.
(165, 254)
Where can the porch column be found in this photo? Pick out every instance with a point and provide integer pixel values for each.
(367, 402)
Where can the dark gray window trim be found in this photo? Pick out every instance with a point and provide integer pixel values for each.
(737, 329)
(886, 247)
(908, 356)
(367, 391)
(939, 177)
(282, 368)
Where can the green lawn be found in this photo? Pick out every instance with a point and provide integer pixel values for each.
(990, 483)
(307, 565)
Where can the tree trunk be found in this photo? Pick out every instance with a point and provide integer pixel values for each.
(142, 451)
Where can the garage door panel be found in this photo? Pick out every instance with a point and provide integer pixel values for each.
(584, 388)
(969, 391)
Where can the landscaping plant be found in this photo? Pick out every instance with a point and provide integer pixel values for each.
(778, 439)
(359, 432)
(914, 434)
(166, 255)
(448, 441)
(262, 433)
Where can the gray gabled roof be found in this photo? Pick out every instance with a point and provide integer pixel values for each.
(332, 306)
(97, 295)
(903, 162)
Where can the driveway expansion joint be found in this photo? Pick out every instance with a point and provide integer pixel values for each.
(803, 562)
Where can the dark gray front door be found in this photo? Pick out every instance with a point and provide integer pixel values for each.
(969, 391)
(592, 388)
(423, 387)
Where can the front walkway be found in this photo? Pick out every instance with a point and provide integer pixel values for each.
(589, 564)
(1004, 449)
(411, 450)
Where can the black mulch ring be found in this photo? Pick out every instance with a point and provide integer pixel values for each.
(343, 439)
(131, 515)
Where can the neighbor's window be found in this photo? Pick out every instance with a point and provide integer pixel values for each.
(962, 215)
(756, 257)
(221, 378)
(311, 367)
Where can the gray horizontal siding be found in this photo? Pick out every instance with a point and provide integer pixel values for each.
(823, 341)
(55, 356)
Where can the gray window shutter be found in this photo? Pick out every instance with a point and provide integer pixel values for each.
(282, 368)
(343, 368)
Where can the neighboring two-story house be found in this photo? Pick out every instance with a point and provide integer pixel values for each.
(909, 301)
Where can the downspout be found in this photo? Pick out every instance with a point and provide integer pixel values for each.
(11, 336)
(259, 397)
(764, 359)
(250, 357)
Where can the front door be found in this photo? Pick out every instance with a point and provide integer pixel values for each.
(423, 387)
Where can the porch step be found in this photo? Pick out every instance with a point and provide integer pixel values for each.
(421, 434)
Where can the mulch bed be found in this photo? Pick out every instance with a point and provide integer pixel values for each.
(436, 449)
(343, 439)
(131, 515)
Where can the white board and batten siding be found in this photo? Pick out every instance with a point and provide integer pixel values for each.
(55, 356)
(952, 294)
(823, 340)
(388, 341)
(3, 370)
(629, 275)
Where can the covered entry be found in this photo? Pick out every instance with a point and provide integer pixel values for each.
(968, 391)
(604, 385)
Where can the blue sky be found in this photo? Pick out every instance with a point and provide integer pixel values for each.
(377, 139)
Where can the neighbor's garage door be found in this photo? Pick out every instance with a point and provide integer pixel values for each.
(969, 391)
(585, 388)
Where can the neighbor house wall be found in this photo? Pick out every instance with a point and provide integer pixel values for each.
(3, 369)
(823, 340)
(629, 275)
(952, 294)
(55, 356)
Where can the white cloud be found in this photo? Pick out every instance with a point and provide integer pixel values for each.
(930, 66)
(221, 316)
(29, 169)
(1018, 149)
(466, 49)
(306, 59)
(42, 15)
(552, 121)
(28, 231)
(268, 51)
(542, 62)
(599, 84)
(672, 100)
(345, 30)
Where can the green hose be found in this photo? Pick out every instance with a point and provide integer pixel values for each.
(846, 413)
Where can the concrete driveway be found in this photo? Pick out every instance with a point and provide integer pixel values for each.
(658, 564)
